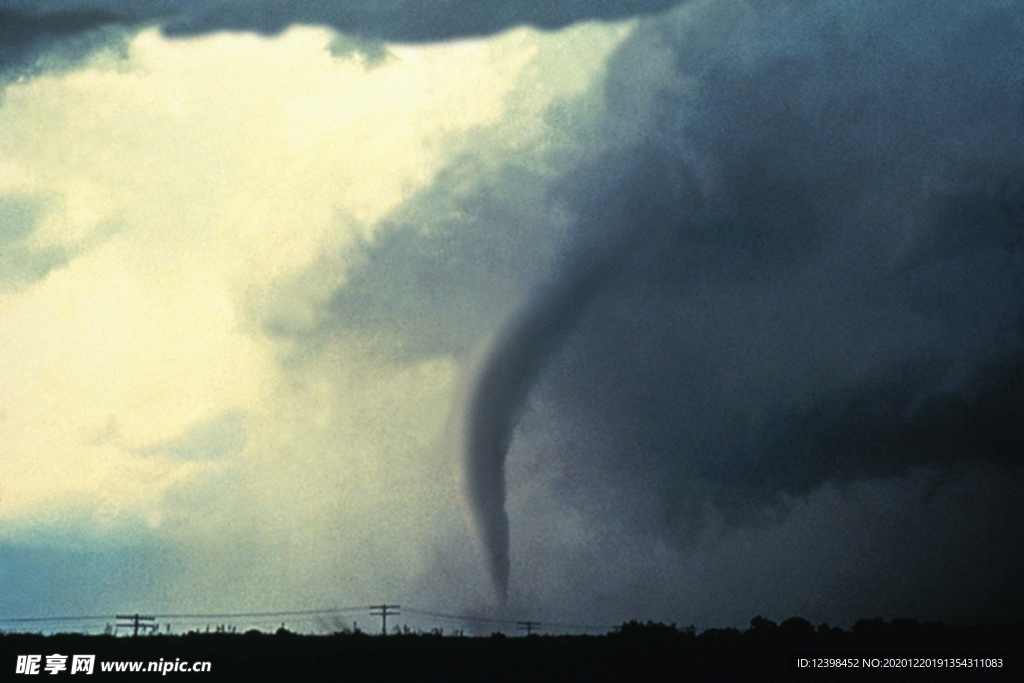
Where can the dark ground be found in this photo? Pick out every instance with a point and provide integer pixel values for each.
(635, 651)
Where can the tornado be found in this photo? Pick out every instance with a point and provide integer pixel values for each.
(499, 392)
(619, 235)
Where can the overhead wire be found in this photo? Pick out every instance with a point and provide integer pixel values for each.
(409, 611)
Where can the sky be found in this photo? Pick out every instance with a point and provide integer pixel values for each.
(572, 312)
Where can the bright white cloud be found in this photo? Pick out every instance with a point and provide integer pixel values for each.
(186, 184)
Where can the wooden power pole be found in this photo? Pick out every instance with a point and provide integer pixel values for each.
(527, 626)
(383, 611)
(136, 618)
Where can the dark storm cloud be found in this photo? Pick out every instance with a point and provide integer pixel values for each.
(32, 43)
(406, 21)
(63, 22)
(844, 301)
(20, 27)
(857, 260)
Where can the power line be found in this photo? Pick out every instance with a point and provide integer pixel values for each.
(382, 610)
(457, 617)
(284, 613)
(507, 622)
(579, 627)
(222, 615)
(46, 619)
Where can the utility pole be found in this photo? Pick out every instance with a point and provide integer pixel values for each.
(136, 618)
(527, 626)
(383, 612)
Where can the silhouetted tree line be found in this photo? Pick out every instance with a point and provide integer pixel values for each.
(633, 651)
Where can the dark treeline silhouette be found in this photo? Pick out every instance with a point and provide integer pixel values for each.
(899, 649)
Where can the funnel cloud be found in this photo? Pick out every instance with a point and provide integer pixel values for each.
(519, 352)
(497, 400)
